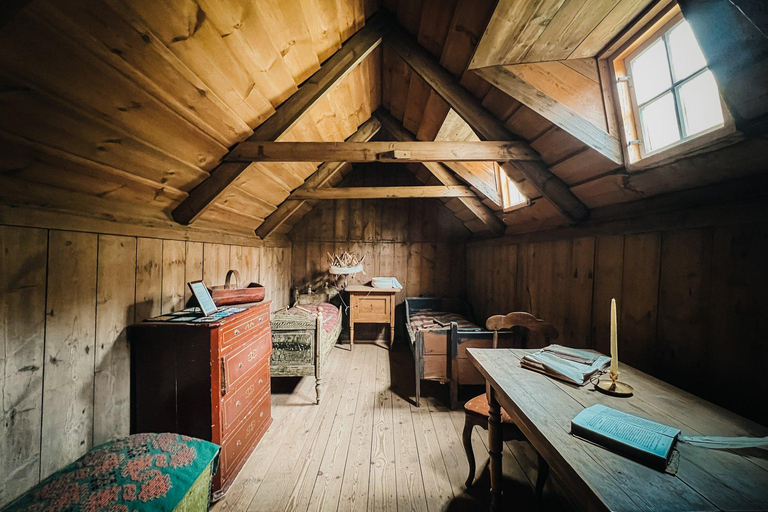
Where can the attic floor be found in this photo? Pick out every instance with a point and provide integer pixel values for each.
(366, 447)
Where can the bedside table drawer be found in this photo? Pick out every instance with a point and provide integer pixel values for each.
(373, 309)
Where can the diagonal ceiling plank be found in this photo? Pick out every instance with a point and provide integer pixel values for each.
(289, 113)
(554, 111)
(320, 179)
(478, 209)
(487, 126)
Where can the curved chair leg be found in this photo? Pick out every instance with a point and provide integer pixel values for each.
(467, 439)
(541, 479)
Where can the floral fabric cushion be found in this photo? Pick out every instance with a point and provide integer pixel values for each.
(431, 320)
(140, 472)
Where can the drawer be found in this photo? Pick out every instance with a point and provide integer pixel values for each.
(238, 443)
(373, 308)
(253, 323)
(239, 364)
(242, 400)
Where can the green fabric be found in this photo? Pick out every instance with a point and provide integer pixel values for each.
(198, 497)
(140, 472)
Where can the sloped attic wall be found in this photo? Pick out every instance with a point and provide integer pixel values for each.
(419, 241)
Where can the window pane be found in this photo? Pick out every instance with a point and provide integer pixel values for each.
(686, 54)
(700, 104)
(650, 72)
(515, 196)
(659, 122)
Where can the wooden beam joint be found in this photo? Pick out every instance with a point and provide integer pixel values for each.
(485, 124)
(289, 113)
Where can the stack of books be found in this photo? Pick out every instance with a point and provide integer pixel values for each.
(567, 364)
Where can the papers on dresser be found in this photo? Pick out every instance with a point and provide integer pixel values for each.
(564, 363)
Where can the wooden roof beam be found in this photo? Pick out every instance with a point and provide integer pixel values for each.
(320, 179)
(554, 111)
(444, 175)
(289, 113)
(390, 152)
(485, 124)
(385, 192)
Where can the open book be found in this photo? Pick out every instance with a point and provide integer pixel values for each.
(564, 363)
(643, 440)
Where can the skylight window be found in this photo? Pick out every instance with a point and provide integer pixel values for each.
(669, 94)
(511, 197)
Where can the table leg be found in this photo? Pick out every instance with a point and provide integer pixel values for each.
(495, 444)
(351, 334)
(391, 335)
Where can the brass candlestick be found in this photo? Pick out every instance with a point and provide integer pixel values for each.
(614, 387)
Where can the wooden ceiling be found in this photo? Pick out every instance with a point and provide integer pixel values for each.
(526, 31)
(112, 111)
(116, 110)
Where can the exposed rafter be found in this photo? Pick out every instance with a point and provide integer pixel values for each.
(289, 113)
(355, 152)
(385, 192)
(324, 175)
(553, 110)
(484, 123)
(473, 204)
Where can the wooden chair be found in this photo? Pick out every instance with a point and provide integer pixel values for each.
(476, 409)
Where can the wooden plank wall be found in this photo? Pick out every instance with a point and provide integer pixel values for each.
(65, 300)
(692, 308)
(419, 241)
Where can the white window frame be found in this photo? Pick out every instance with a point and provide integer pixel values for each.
(674, 88)
(503, 188)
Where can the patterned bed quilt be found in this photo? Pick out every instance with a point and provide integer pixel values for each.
(142, 472)
(435, 320)
(331, 314)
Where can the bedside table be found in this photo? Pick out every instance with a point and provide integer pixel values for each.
(371, 305)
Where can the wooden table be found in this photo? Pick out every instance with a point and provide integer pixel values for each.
(602, 480)
(371, 305)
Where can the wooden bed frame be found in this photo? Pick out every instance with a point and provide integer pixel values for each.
(300, 346)
(441, 354)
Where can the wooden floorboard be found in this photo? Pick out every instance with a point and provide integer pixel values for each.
(367, 447)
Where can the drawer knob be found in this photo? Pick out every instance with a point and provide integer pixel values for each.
(261, 414)
(261, 319)
(237, 404)
(239, 442)
(240, 365)
(237, 331)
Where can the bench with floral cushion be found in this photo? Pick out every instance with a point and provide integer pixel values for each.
(142, 472)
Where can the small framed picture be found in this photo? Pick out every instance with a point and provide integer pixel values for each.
(203, 296)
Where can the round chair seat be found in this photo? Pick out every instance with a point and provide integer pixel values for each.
(479, 407)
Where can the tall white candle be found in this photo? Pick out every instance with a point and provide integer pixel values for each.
(614, 341)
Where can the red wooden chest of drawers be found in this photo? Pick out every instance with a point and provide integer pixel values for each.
(209, 381)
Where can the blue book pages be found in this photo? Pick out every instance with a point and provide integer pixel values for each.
(644, 440)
